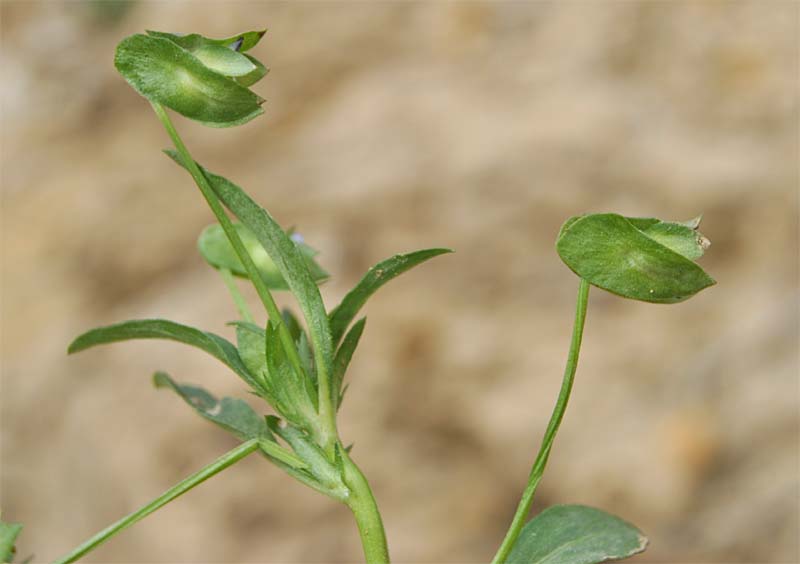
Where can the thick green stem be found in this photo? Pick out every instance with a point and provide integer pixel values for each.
(326, 432)
(362, 503)
(537, 471)
(179, 489)
(238, 299)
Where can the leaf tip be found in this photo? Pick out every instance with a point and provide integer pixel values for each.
(161, 379)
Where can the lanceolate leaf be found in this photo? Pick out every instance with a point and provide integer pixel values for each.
(576, 534)
(342, 360)
(375, 277)
(169, 75)
(232, 414)
(287, 258)
(8, 536)
(219, 253)
(213, 344)
(612, 252)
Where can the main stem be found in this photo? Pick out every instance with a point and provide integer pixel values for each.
(179, 489)
(326, 433)
(539, 464)
(365, 509)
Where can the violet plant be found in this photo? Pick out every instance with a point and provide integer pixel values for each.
(298, 367)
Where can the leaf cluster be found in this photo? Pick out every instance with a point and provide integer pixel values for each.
(259, 356)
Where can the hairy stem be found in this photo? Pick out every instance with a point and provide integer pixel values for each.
(223, 462)
(539, 464)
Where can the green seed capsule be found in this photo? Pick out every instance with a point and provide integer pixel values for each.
(638, 258)
(219, 253)
(203, 79)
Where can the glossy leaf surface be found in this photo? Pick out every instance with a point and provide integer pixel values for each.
(610, 252)
(213, 344)
(219, 253)
(375, 277)
(164, 73)
(576, 534)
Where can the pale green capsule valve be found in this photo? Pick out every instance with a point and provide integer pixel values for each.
(219, 253)
(638, 258)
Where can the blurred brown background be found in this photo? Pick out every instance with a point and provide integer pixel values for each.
(390, 127)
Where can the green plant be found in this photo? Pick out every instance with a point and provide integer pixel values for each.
(298, 368)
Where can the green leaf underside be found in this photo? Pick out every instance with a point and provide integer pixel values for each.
(576, 534)
(286, 256)
(8, 536)
(611, 253)
(213, 344)
(342, 360)
(377, 276)
(219, 253)
(166, 74)
(232, 414)
(193, 41)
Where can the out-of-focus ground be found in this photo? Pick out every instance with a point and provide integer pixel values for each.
(390, 127)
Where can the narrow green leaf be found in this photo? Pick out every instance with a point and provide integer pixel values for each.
(286, 256)
(232, 414)
(215, 248)
(213, 344)
(8, 536)
(576, 534)
(166, 74)
(375, 277)
(342, 360)
(298, 401)
(610, 252)
(224, 61)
